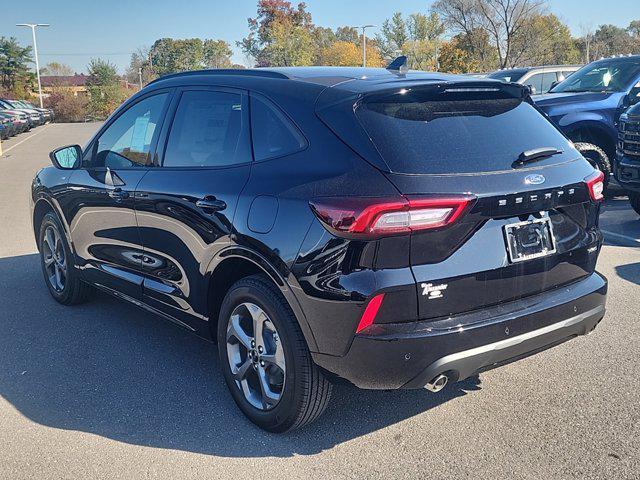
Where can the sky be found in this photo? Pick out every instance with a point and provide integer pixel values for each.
(113, 29)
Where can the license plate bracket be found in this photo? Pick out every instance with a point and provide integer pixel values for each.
(530, 239)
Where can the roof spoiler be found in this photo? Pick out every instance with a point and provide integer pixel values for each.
(399, 65)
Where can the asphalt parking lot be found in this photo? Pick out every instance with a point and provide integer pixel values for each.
(105, 390)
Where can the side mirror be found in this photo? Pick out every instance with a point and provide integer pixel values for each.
(532, 89)
(554, 85)
(67, 158)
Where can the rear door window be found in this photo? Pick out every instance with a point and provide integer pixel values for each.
(209, 130)
(421, 131)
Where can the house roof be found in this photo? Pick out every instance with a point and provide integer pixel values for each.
(66, 80)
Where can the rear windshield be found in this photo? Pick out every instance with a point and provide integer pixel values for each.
(440, 133)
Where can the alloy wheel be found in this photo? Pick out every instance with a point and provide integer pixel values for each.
(256, 356)
(54, 258)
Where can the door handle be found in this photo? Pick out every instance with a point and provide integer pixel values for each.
(118, 194)
(211, 203)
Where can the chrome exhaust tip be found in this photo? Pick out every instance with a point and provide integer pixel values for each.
(437, 383)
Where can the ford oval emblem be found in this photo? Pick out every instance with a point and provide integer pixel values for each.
(534, 179)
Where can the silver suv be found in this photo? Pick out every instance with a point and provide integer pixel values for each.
(540, 79)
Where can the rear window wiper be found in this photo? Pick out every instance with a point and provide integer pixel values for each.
(529, 156)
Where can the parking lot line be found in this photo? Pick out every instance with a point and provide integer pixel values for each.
(25, 139)
(620, 236)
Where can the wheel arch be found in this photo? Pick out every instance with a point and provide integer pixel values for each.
(41, 207)
(595, 133)
(235, 263)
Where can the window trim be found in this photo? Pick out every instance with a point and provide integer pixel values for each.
(273, 105)
(92, 146)
(170, 118)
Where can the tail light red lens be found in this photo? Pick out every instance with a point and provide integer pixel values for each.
(379, 217)
(595, 185)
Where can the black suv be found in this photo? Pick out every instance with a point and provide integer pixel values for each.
(627, 165)
(384, 228)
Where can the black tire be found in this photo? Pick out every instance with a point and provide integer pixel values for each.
(598, 158)
(634, 200)
(306, 391)
(73, 291)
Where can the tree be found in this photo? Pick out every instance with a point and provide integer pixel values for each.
(634, 29)
(477, 47)
(102, 73)
(348, 54)
(323, 37)
(169, 55)
(424, 41)
(610, 40)
(393, 36)
(545, 40)
(14, 71)
(584, 43)
(501, 20)
(56, 69)
(423, 27)
(453, 59)
(290, 45)
(67, 106)
(267, 44)
(418, 37)
(216, 54)
(140, 65)
(105, 90)
(348, 34)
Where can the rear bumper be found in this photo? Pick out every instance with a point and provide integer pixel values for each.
(409, 355)
(463, 364)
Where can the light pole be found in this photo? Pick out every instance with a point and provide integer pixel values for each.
(364, 42)
(33, 26)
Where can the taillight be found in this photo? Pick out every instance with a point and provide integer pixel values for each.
(378, 217)
(595, 185)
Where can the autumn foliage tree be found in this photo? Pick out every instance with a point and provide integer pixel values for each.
(284, 35)
(501, 21)
(453, 59)
(348, 54)
(279, 35)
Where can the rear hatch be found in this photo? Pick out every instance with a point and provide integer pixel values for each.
(532, 226)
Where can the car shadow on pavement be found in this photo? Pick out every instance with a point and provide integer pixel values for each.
(114, 370)
(630, 272)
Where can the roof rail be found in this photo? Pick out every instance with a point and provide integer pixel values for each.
(243, 72)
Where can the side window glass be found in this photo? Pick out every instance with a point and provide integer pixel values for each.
(535, 81)
(209, 130)
(547, 81)
(127, 141)
(273, 134)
